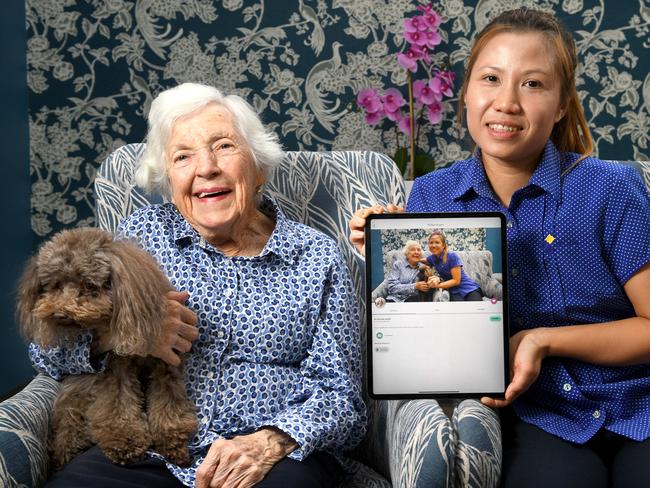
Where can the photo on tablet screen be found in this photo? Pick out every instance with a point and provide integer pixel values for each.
(437, 305)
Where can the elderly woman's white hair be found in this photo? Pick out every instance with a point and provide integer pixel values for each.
(410, 244)
(184, 99)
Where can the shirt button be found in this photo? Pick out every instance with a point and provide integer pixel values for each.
(220, 334)
(210, 375)
(596, 414)
(514, 272)
(567, 387)
(520, 321)
(228, 292)
(509, 224)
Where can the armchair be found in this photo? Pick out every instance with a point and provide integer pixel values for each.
(409, 443)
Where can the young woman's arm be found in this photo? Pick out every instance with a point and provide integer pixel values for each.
(619, 343)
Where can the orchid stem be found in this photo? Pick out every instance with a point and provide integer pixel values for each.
(410, 170)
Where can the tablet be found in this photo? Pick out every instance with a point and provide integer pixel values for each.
(436, 294)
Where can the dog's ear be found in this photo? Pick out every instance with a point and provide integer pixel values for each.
(28, 293)
(139, 302)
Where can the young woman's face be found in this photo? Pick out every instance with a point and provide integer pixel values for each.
(513, 98)
(436, 246)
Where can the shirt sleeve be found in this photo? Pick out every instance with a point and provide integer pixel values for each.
(69, 359)
(453, 260)
(395, 286)
(325, 410)
(627, 220)
(416, 201)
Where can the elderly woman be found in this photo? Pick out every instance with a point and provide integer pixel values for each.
(274, 369)
(406, 278)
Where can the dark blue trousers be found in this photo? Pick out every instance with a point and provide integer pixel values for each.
(93, 469)
(533, 458)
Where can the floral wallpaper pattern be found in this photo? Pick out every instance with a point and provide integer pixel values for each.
(95, 65)
(457, 239)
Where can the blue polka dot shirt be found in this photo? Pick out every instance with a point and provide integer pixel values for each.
(278, 338)
(574, 239)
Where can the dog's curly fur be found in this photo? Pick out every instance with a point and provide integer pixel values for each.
(84, 280)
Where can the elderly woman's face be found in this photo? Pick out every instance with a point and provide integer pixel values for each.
(211, 174)
(414, 254)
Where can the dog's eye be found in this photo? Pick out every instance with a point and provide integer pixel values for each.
(90, 289)
(51, 286)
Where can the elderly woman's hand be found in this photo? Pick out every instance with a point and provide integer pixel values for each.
(421, 286)
(358, 223)
(243, 461)
(180, 329)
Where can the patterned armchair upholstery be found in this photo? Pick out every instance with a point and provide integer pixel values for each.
(478, 266)
(410, 444)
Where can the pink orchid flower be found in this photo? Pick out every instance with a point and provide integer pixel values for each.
(392, 101)
(434, 112)
(404, 125)
(373, 118)
(369, 100)
(413, 24)
(430, 38)
(395, 116)
(430, 17)
(409, 59)
(423, 93)
(442, 83)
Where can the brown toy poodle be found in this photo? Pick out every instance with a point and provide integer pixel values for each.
(83, 280)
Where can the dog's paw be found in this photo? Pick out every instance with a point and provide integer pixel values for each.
(175, 454)
(60, 458)
(125, 450)
(172, 442)
(64, 448)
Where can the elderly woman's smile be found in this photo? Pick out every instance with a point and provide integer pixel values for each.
(213, 178)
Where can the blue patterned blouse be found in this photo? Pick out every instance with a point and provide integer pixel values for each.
(279, 334)
(574, 240)
(401, 281)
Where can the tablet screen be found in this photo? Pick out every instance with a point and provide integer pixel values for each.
(437, 305)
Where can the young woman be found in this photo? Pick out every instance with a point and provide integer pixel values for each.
(579, 260)
(449, 267)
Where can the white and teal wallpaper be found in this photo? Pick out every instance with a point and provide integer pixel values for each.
(93, 67)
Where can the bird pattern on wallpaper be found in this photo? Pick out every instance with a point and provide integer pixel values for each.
(94, 66)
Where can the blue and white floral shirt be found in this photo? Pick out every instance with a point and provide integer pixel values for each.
(574, 239)
(278, 338)
(401, 281)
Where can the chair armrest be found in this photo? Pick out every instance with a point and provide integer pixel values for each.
(420, 444)
(24, 429)
(492, 288)
(414, 443)
(478, 445)
(380, 292)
